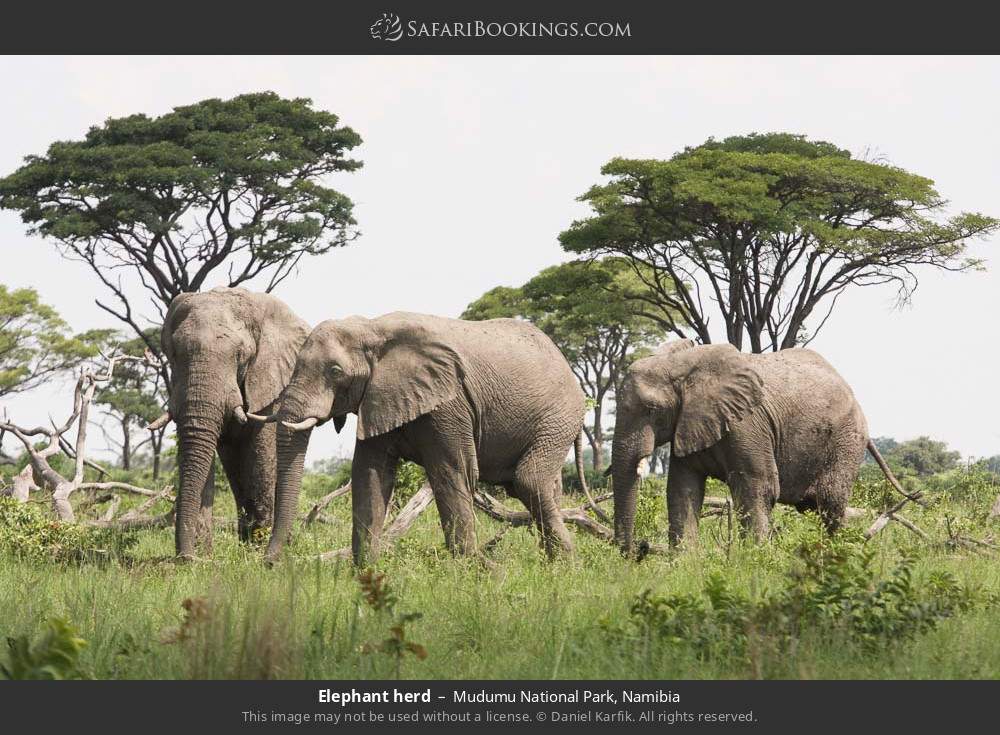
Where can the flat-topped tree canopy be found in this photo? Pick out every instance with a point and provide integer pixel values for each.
(238, 184)
(767, 230)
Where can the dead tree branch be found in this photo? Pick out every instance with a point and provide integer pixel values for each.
(892, 515)
(45, 475)
(394, 530)
(321, 504)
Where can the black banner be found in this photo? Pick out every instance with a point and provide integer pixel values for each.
(519, 706)
(452, 27)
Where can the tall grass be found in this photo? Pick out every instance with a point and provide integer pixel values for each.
(144, 616)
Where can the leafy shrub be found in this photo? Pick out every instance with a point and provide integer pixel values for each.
(872, 490)
(650, 509)
(56, 654)
(831, 591)
(410, 478)
(28, 532)
(973, 484)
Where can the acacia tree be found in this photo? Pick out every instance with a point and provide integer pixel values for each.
(767, 231)
(592, 313)
(236, 186)
(35, 343)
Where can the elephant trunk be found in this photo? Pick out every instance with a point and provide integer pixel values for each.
(292, 445)
(200, 411)
(197, 436)
(628, 449)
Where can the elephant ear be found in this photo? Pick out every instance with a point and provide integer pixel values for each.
(718, 392)
(413, 376)
(281, 337)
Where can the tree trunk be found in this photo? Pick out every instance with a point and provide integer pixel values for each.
(126, 444)
(157, 443)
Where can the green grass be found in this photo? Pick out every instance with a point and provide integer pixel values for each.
(528, 618)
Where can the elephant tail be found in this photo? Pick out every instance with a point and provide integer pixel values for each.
(873, 450)
(581, 473)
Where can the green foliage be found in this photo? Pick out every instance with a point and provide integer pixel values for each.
(922, 456)
(973, 485)
(750, 219)
(651, 509)
(410, 477)
(54, 656)
(35, 343)
(27, 532)
(596, 479)
(304, 619)
(872, 489)
(832, 590)
(238, 184)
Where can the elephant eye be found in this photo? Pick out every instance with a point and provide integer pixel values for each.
(336, 369)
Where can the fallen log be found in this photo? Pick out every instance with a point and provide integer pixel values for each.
(321, 504)
(891, 515)
(137, 523)
(394, 530)
(575, 516)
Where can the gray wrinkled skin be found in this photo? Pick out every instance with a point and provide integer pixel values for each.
(492, 400)
(228, 348)
(779, 427)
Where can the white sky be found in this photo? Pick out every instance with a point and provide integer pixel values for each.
(472, 166)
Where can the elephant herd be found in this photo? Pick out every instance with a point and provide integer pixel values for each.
(492, 401)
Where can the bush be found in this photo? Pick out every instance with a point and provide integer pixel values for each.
(28, 532)
(973, 484)
(831, 591)
(410, 478)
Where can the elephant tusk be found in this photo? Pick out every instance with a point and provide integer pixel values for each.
(257, 418)
(643, 469)
(239, 414)
(301, 425)
(160, 422)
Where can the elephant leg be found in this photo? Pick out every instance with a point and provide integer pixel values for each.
(685, 496)
(833, 490)
(444, 443)
(373, 475)
(258, 471)
(754, 496)
(229, 455)
(454, 503)
(206, 519)
(536, 485)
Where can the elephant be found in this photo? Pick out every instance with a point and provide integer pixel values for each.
(779, 427)
(468, 400)
(230, 351)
